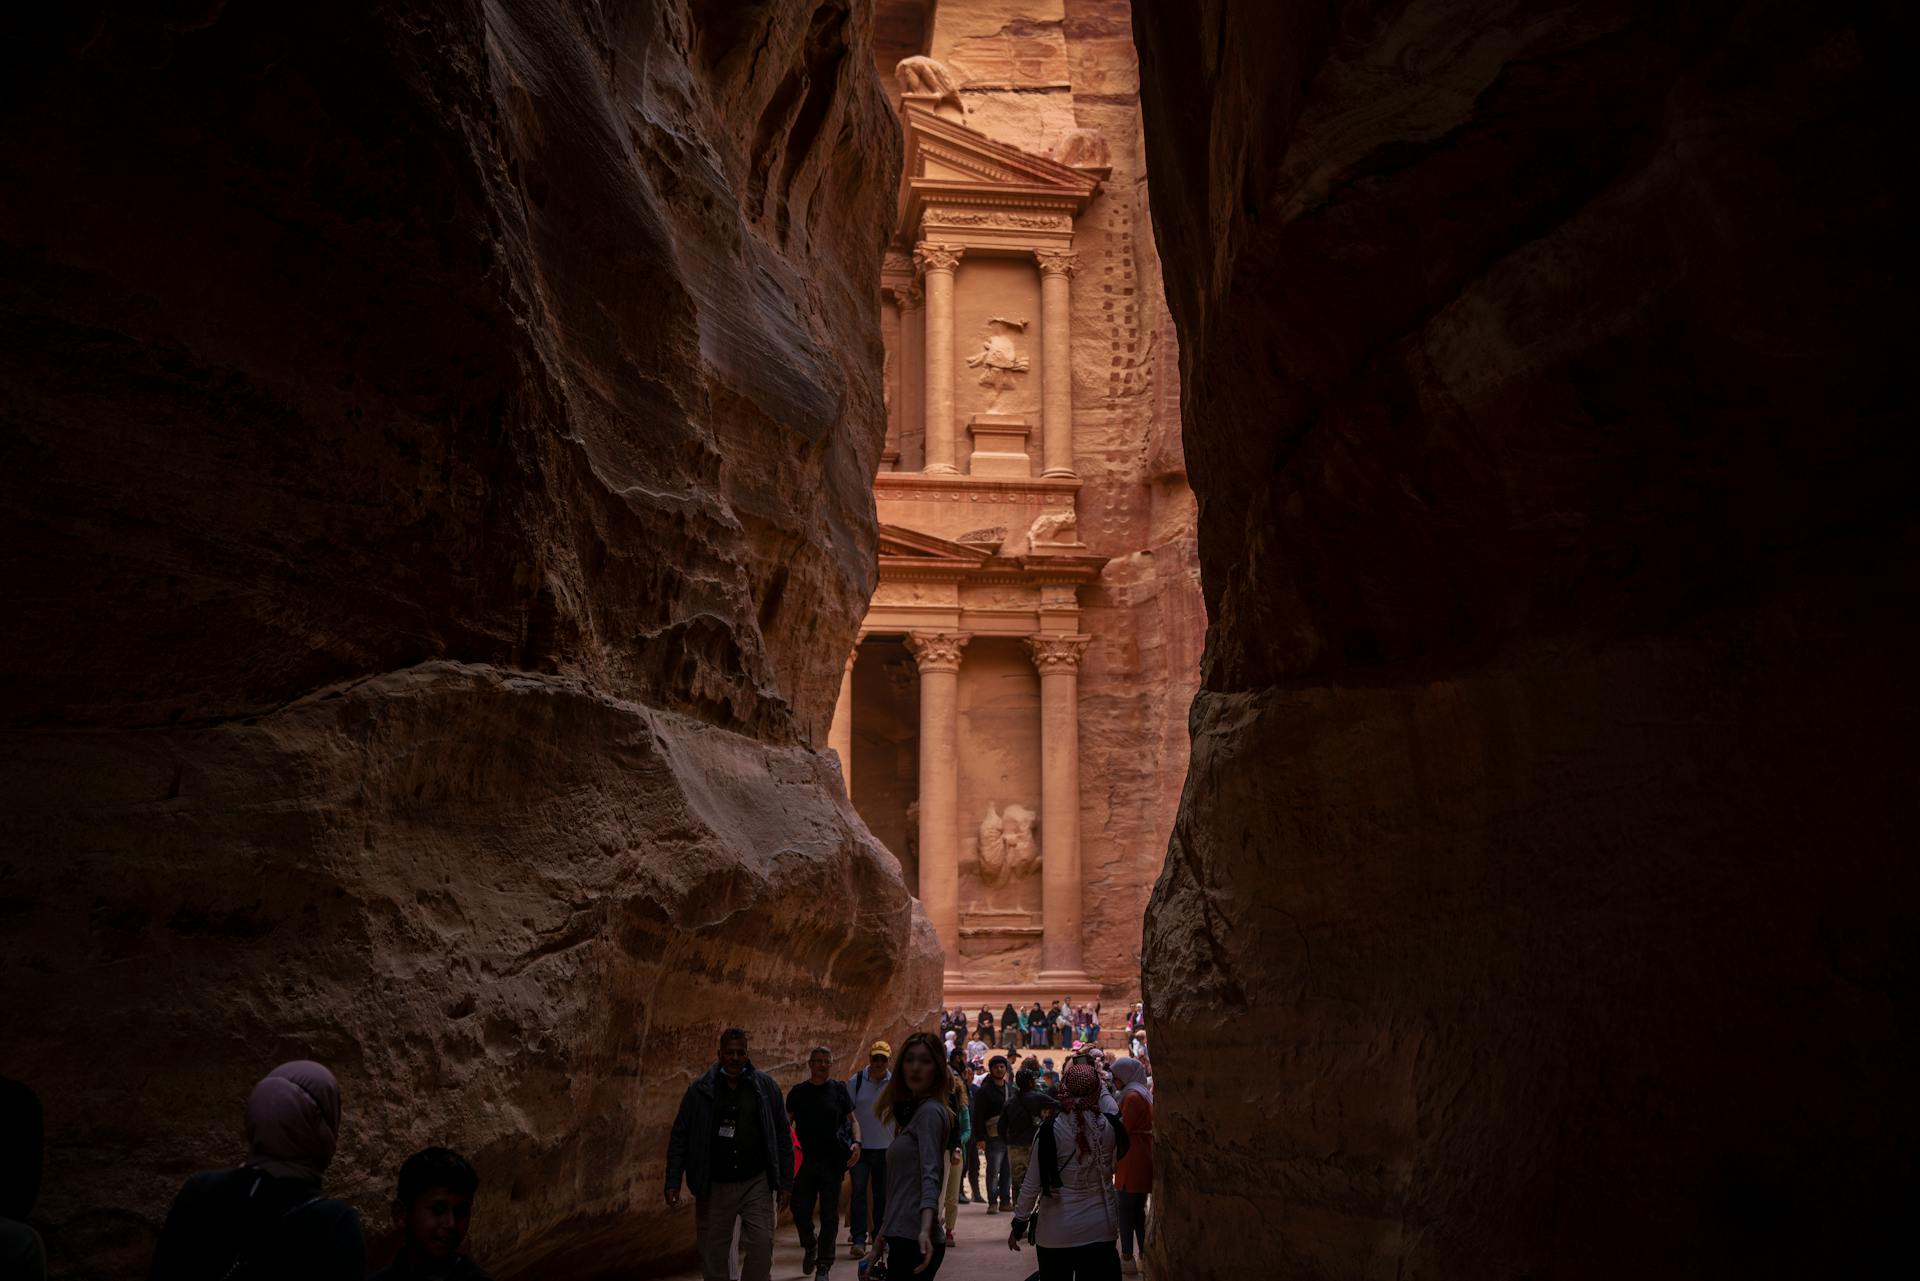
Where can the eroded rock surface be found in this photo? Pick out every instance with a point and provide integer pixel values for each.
(437, 452)
(1539, 904)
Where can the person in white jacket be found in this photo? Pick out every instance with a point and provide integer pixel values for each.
(1069, 1183)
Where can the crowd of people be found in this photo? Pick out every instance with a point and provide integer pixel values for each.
(1064, 1152)
(1057, 1026)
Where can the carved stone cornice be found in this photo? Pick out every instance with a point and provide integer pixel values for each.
(1055, 262)
(937, 651)
(1053, 652)
(930, 255)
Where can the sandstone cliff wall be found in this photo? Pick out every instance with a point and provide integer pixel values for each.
(437, 443)
(1540, 903)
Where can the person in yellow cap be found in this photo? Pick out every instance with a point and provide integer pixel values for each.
(870, 1171)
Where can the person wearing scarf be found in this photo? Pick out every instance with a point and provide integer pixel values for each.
(1133, 1173)
(1009, 1028)
(267, 1216)
(1079, 1216)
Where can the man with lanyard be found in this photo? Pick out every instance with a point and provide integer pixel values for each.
(870, 1171)
(822, 1112)
(732, 1142)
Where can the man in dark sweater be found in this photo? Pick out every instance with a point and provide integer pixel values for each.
(988, 1104)
(733, 1144)
(822, 1112)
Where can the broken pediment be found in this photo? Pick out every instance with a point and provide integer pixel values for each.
(956, 176)
(899, 542)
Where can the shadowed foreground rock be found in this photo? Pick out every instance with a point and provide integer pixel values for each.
(1544, 854)
(436, 453)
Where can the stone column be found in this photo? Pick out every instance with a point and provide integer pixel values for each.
(912, 369)
(840, 737)
(939, 262)
(1058, 658)
(1056, 362)
(938, 656)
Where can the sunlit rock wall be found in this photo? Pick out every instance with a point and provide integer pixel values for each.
(436, 458)
(1542, 902)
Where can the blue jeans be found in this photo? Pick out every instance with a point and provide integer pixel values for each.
(869, 1171)
(998, 1176)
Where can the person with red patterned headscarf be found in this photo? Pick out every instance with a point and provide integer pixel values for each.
(1070, 1183)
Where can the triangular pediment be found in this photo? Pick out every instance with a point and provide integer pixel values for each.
(945, 151)
(899, 542)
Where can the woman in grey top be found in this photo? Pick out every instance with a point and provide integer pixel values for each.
(914, 1106)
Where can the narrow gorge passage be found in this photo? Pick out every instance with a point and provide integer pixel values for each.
(545, 531)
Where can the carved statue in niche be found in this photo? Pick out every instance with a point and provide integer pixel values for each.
(998, 360)
(919, 75)
(1053, 529)
(1083, 149)
(1007, 848)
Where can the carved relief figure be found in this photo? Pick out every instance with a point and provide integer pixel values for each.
(925, 76)
(998, 360)
(1083, 149)
(1053, 529)
(1007, 848)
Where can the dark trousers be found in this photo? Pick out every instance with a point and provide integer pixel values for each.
(870, 1172)
(818, 1181)
(973, 1168)
(1133, 1222)
(1096, 1262)
(997, 1172)
(903, 1256)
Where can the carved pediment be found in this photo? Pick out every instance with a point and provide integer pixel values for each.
(899, 542)
(934, 143)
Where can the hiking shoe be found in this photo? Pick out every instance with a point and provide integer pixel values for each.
(993, 1207)
(807, 1261)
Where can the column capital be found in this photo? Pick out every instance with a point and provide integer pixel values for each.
(853, 655)
(1055, 262)
(1054, 652)
(930, 255)
(910, 297)
(937, 651)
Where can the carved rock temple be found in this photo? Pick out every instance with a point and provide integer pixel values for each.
(1009, 723)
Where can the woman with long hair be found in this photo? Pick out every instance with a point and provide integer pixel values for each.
(1072, 1168)
(914, 1106)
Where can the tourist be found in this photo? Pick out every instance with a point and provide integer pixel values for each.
(914, 1105)
(1072, 1167)
(22, 1253)
(958, 1063)
(1133, 1173)
(1026, 1031)
(822, 1112)
(1056, 1029)
(431, 1211)
(734, 1145)
(267, 1217)
(976, 1048)
(988, 1105)
(1093, 1024)
(1026, 1108)
(1037, 1027)
(957, 1104)
(870, 1171)
(983, 1030)
(1009, 1028)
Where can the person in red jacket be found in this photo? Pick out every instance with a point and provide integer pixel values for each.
(1133, 1173)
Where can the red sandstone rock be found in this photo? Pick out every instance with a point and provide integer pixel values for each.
(1539, 902)
(436, 510)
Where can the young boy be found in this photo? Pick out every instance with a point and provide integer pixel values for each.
(432, 1211)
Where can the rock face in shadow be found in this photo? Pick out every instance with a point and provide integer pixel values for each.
(1540, 903)
(437, 447)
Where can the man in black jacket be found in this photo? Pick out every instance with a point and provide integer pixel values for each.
(733, 1144)
(1027, 1107)
(988, 1104)
(822, 1113)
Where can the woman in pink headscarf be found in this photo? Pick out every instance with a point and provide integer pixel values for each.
(266, 1218)
(1070, 1183)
